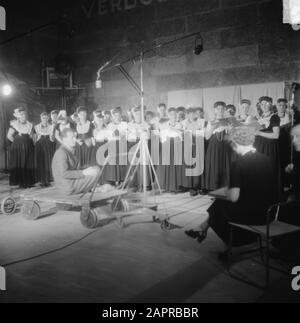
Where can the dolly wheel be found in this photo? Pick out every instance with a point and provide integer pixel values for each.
(122, 205)
(121, 222)
(88, 218)
(166, 225)
(31, 210)
(8, 206)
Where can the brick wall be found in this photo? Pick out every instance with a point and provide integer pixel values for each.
(245, 42)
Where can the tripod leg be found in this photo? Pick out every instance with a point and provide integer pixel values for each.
(154, 172)
(128, 173)
(97, 180)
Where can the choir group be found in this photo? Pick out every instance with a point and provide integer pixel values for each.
(32, 148)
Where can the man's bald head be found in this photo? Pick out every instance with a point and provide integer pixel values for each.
(68, 137)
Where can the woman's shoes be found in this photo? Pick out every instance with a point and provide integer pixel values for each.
(191, 233)
(199, 235)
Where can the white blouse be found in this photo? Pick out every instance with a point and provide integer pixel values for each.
(22, 128)
(44, 131)
(168, 130)
(135, 130)
(112, 127)
(100, 135)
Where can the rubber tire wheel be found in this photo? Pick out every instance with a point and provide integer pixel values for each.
(88, 218)
(122, 206)
(8, 210)
(166, 225)
(31, 210)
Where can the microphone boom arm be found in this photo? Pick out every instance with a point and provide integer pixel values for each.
(121, 68)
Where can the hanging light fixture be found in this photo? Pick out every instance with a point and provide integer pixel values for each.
(198, 49)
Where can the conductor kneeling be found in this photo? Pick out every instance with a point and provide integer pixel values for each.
(68, 177)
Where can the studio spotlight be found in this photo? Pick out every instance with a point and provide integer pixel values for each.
(198, 45)
(6, 90)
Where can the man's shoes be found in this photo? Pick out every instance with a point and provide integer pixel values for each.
(193, 192)
(203, 192)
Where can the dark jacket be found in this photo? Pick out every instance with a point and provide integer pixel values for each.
(65, 169)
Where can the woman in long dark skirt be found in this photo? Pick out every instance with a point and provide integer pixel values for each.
(138, 128)
(84, 129)
(267, 139)
(192, 127)
(99, 139)
(284, 139)
(21, 153)
(115, 171)
(202, 125)
(53, 122)
(218, 155)
(44, 150)
(169, 171)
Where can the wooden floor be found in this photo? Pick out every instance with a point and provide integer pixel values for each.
(139, 263)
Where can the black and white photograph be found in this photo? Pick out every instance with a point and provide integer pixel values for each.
(149, 154)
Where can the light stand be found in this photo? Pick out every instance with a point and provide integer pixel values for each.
(144, 146)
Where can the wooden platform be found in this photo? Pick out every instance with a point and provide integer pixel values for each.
(52, 195)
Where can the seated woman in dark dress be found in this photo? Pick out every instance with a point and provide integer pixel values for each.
(294, 171)
(249, 195)
(290, 213)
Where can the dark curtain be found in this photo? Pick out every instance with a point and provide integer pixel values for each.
(3, 140)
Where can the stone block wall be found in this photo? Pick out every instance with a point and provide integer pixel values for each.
(244, 42)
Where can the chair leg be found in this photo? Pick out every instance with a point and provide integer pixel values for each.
(261, 249)
(230, 249)
(267, 263)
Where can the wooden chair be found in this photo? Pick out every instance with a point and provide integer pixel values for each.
(272, 229)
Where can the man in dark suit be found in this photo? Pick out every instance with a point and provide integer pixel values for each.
(68, 177)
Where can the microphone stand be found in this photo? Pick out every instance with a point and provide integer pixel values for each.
(145, 157)
(291, 104)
